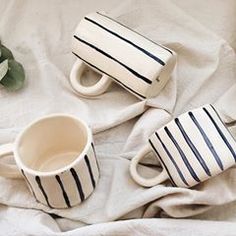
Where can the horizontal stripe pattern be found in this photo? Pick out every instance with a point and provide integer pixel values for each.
(127, 41)
(190, 146)
(133, 60)
(168, 50)
(138, 75)
(125, 86)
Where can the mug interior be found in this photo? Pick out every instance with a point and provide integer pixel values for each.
(52, 143)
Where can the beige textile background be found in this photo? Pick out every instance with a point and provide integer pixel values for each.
(203, 35)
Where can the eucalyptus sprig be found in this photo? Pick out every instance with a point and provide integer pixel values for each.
(12, 73)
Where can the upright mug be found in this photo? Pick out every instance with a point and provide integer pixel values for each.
(56, 157)
(191, 149)
(119, 54)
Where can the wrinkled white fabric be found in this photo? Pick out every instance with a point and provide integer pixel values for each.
(39, 34)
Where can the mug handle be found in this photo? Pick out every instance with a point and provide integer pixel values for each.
(146, 182)
(8, 170)
(75, 76)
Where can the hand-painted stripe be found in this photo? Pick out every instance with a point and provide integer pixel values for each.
(26, 179)
(207, 141)
(125, 86)
(78, 183)
(95, 156)
(172, 160)
(184, 158)
(90, 170)
(114, 59)
(38, 180)
(125, 26)
(67, 201)
(127, 41)
(219, 131)
(163, 163)
(193, 148)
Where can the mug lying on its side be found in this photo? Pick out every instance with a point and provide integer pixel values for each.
(56, 157)
(140, 65)
(191, 148)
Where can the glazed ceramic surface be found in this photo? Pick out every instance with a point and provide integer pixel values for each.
(191, 148)
(141, 66)
(56, 157)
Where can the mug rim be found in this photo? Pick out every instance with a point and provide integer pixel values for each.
(31, 171)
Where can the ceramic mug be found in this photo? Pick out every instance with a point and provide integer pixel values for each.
(55, 155)
(191, 149)
(119, 54)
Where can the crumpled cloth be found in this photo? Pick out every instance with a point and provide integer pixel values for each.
(39, 34)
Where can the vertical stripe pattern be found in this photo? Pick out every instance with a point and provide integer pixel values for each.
(207, 141)
(194, 147)
(162, 162)
(38, 180)
(221, 133)
(90, 170)
(184, 158)
(78, 183)
(80, 180)
(67, 201)
(173, 161)
(26, 179)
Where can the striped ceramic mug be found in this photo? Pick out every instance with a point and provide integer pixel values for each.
(119, 54)
(191, 149)
(55, 155)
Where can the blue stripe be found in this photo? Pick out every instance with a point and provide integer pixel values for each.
(207, 141)
(131, 90)
(128, 41)
(193, 148)
(114, 59)
(220, 132)
(136, 32)
(163, 163)
(184, 158)
(172, 160)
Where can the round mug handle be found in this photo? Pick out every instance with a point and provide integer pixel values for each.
(8, 170)
(75, 76)
(146, 182)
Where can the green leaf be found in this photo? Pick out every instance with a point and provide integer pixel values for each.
(3, 69)
(5, 54)
(14, 78)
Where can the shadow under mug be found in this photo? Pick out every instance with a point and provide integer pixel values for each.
(119, 54)
(191, 149)
(56, 157)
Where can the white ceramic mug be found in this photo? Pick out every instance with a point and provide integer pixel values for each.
(119, 54)
(191, 149)
(56, 157)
